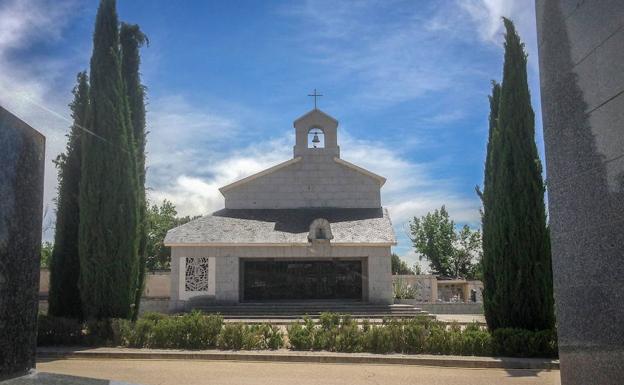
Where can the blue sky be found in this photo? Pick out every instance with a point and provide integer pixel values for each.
(407, 80)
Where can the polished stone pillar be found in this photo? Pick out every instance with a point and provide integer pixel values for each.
(21, 207)
(581, 52)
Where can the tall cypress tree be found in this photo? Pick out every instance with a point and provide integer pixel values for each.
(64, 299)
(516, 251)
(108, 236)
(489, 260)
(132, 39)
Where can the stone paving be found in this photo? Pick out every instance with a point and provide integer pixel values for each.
(189, 372)
(286, 355)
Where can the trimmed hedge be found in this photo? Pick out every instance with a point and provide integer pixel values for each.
(333, 332)
(419, 335)
(154, 330)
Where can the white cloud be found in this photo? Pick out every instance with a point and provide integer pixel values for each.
(486, 16)
(405, 54)
(190, 155)
(30, 89)
(412, 189)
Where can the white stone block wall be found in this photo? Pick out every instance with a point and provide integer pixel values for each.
(227, 279)
(425, 286)
(379, 280)
(315, 181)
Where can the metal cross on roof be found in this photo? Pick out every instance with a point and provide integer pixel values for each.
(315, 96)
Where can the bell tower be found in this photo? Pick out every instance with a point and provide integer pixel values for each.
(316, 133)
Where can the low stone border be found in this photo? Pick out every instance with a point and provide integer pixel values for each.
(284, 355)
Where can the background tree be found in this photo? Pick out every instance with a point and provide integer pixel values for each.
(416, 269)
(46, 254)
(467, 249)
(516, 251)
(399, 266)
(132, 39)
(161, 219)
(432, 236)
(450, 253)
(64, 297)
(108, 235)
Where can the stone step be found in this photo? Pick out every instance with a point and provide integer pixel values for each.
(293, 311)
(273, 310)
(304, 311)
(316, 316)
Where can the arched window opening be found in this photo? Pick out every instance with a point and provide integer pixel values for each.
(320, 230)
(316, 138)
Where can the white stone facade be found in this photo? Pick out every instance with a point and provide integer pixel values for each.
(315, 180)
(377, 280)
(315, 177)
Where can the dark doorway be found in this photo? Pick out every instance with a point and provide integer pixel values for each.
(269, 280)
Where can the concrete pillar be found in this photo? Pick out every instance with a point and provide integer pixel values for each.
(581, 52)
(21, 212)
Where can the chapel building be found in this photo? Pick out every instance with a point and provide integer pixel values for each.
(309, 229)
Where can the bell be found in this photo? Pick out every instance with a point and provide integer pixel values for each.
(315, 140)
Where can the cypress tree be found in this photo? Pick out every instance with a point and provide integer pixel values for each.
(516, 251)
(488, 260)
(108, 236)
(64, 298)
(132, 39)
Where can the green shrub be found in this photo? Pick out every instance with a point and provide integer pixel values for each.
(437, 341)
(349, 336)
(189, 331)
(325, 332)
(333, 332)
(153, 316)
(99, 332)
(377, 339)
(122, 329)
(233, 337)
(415, 336)
(202, 331)
(139, 334)
(476, 341)
(273, 337)
(253, 338)
(301, 334)
(168, 333)
(524, 343)
(329, 321)
(455, 339)
(59, 331)
(395, 333)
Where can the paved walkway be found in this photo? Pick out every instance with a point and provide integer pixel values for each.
(163, 372)
(285, 355)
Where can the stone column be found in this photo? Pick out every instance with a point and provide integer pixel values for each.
(21, 210)
(581, 52)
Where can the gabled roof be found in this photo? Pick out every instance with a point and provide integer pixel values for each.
(254, 227)
(359, 169)
(315, 111)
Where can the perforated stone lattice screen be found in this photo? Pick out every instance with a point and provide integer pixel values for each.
(196, 277)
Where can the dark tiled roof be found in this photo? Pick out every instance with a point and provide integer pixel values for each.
(263, 226)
